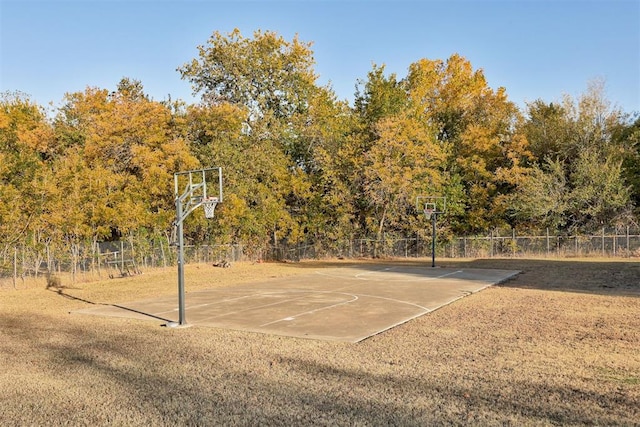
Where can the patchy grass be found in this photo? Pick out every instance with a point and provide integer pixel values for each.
(557, 345)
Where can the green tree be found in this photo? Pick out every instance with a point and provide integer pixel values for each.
(268, 75)
(333, 169)
(629, 136)
(385, 173)
(378, 97)
(542, 199)
(272, 82)
(582, 158)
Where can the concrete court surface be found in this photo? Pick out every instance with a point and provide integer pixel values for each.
(345, 304)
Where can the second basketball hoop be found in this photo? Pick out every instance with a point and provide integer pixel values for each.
(432, 206)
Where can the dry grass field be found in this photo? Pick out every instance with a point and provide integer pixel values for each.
(557, 345)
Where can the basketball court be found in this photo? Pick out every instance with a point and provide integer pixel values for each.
(347, 304)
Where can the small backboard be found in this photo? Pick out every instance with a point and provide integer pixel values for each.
(198, 186)
(431, 205)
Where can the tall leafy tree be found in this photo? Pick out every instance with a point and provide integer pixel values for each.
(272, 81)
(385, 179)
(332, 166)
(25, 139)
(402, 164)
(268, 75)
(475, 127)
(135, 145)
(629, 136)
(576, 150)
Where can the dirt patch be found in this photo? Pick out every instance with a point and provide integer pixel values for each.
(557, 345)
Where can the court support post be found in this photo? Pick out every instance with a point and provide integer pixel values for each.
(432, 206)
(181, 306)
(195, 194)
(433, 239)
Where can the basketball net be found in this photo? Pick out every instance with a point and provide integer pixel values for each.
(209, 206)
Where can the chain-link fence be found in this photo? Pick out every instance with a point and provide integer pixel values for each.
(130, 257)
(615, 242)
(104, 259)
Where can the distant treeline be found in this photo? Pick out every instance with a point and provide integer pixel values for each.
(300, 165)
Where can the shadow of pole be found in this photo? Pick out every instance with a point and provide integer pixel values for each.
(61, 292)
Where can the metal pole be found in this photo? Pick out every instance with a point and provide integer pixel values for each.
(121, 257)
(433, 240)
(181, 310)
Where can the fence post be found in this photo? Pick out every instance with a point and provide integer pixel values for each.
(602, 241)
(464, 243)
(548, 243)
(628, 249)
(23, 267)
(15, 267)
(121, 255)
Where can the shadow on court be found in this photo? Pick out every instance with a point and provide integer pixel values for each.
(345, 304)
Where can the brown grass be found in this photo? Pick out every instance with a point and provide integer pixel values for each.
(557, 345)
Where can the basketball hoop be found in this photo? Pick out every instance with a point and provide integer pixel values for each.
(209, 204)
(429, 210)
(432, 206)
(193, 189)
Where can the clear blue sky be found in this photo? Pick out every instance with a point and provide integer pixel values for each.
(536, 49)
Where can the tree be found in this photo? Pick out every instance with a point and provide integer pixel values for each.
(402, 164)
(547, 132)
(378, 97)
(629, 136)
(272, 81)
(135, 144)
(266, 74)
(253, 173)
(475, 127)
(323, 198)
(581, 170)
(25, 139)
(543, 197)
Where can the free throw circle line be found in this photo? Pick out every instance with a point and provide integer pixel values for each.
(256, 307)
(304, 313)
(356, 297)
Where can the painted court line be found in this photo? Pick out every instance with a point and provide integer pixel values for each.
(305, 313)
(359, 276)
(208, 304)
(230, 313)
(346, 304)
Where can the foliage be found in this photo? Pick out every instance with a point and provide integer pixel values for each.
(25, 138)
(629, 137)
(300, 165)
(578, 180)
